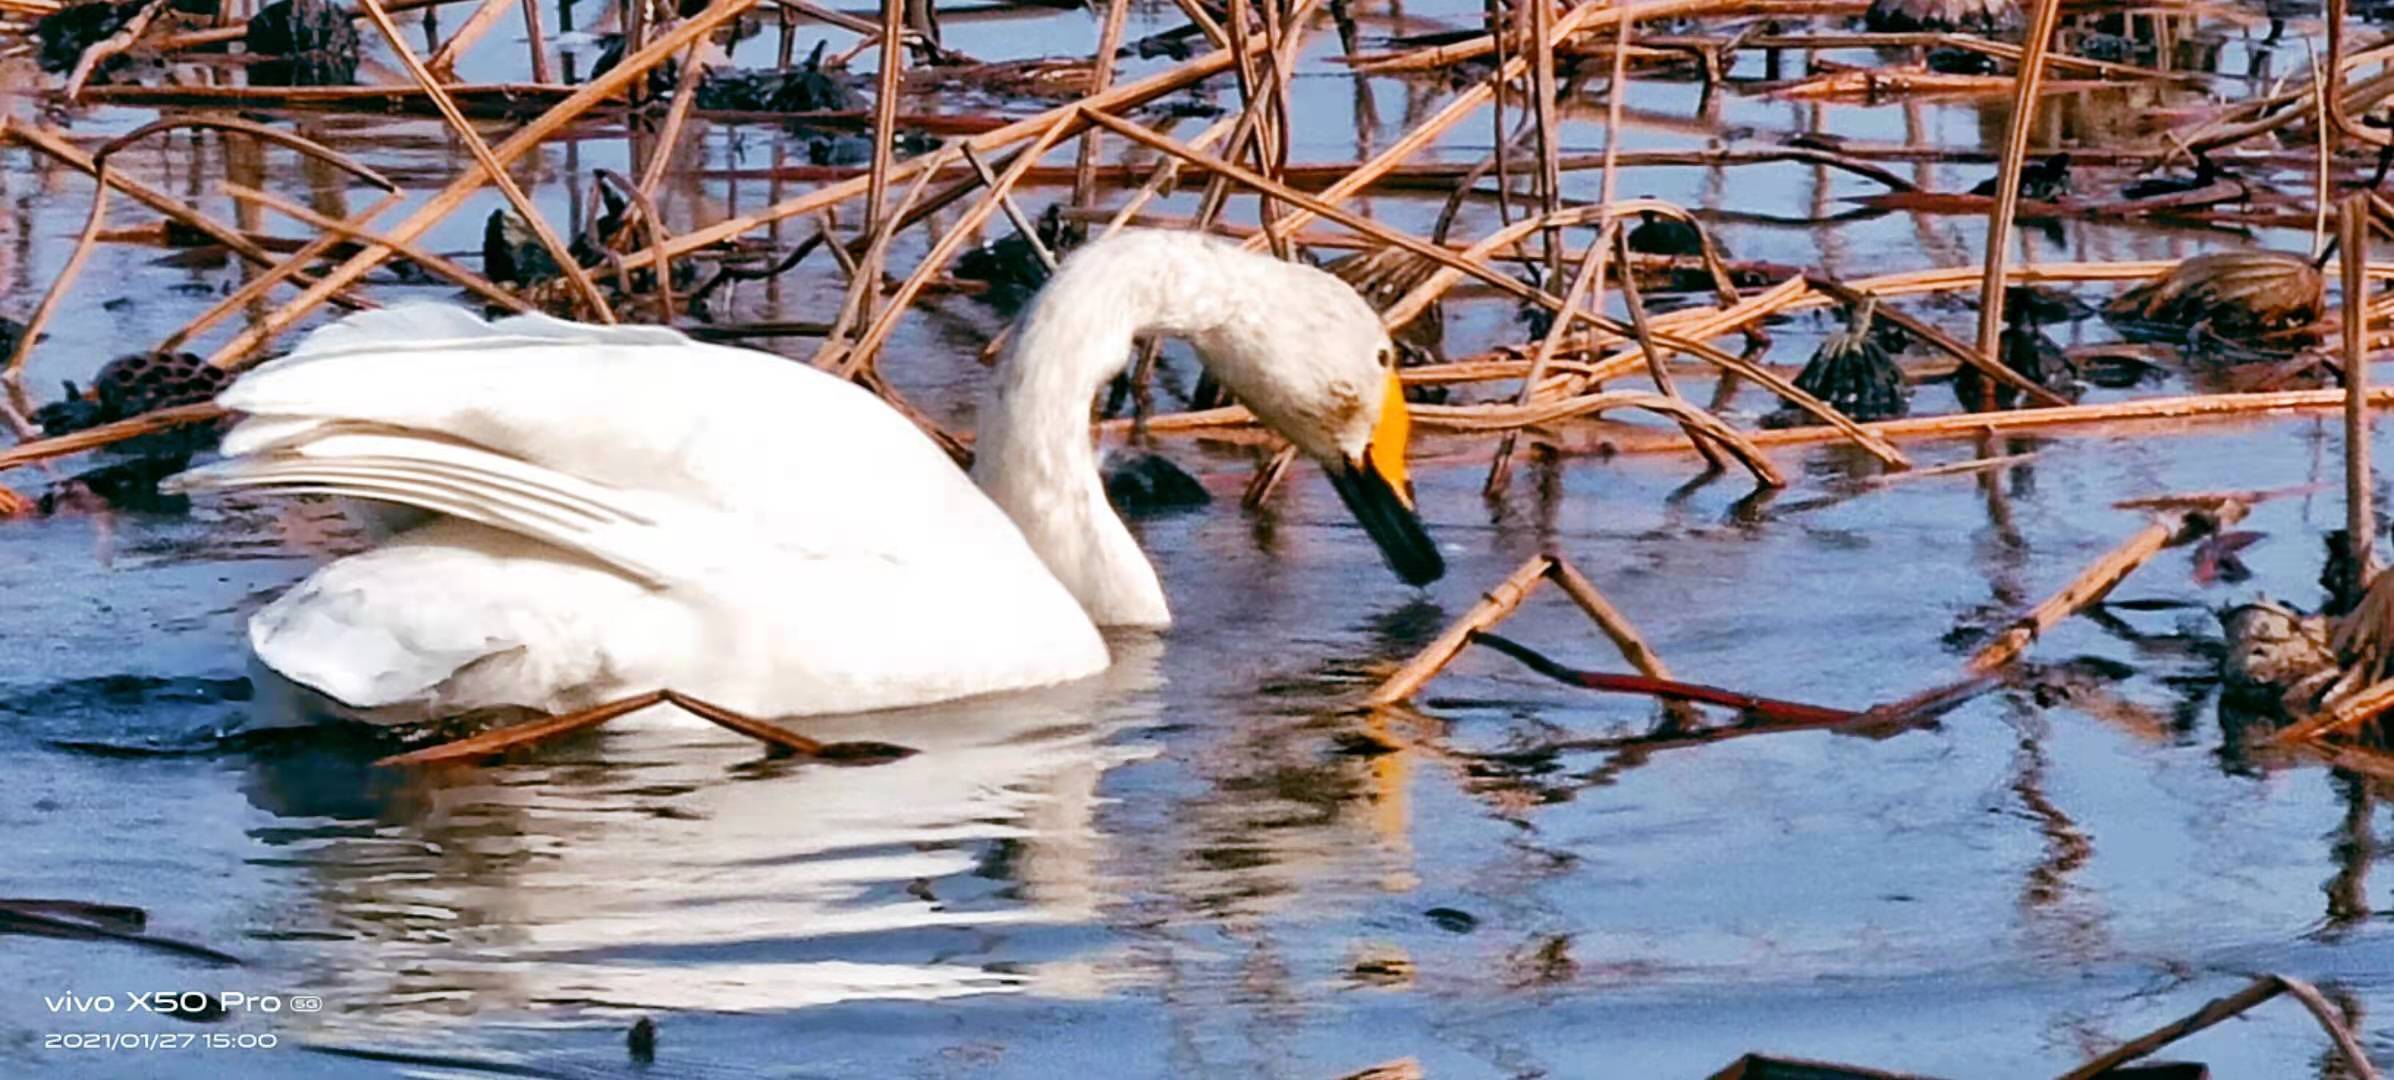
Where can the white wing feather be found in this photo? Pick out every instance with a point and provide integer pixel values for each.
(622, 509)
(811, 460)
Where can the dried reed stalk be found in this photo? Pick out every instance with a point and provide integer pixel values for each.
(2169, 408)
(1499, 601)
(93, 438)
(1609, 619)
(51, 145)
(355, 232)
(781, 739)
(531, 135)
(65, 280)
(444, 61)
(2259, 990)
(1777, 714)
(2093, 583)
(942, 250)
(2340, 717)
(1123, 96)
(885, 114)
(1109, 41)
(536, 42)
(669, 135)
(492, 167)
(2007, 183)
(260, 284)
(864, 277)
(1443, 56)
(1591, 270)
(1023, 225)
(2359, 524)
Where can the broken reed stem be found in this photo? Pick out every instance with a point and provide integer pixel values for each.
(525, 138)
(1591, 270)
(1609, 619)
(1656, 359)
(660, 156)
(1500, 160)
(438, 265)
(1258, 114)
(2198, 406)
(653, 221)
(943, 249)
(57, 148)
(2007, 184)
(1126, 95)
(2320, 194)
(500, 740)
(1022, 222)
(1539, 15)
(1614, 98)
(1255, 101)
(2092, 584)
(2359, 525)
(1778, 714)
(536, 42)
(2254, 993)
(1109, 41)
(260, 284)
(1499, 601)
(261, 132)
(781, 739)
(492, 166)
(2340, 716)
(885, 114)
(444, 61)
(864, 276)
(93, 438)
(2339, 120)
(66, 276)
(1281, 36)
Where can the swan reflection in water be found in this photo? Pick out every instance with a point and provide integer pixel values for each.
(671, 867)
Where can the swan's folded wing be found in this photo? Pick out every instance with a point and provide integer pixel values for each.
(633, 532)
(820, 465)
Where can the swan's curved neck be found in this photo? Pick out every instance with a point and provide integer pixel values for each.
(1034, 455)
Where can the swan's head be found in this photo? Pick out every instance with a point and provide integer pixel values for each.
(1369, 473)
(1294, 344)
(1307, 355)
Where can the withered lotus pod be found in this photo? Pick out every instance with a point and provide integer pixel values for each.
(2276, 659)
(1383, 275)
(2238, 293)
(1904, 16)
(1852, 372)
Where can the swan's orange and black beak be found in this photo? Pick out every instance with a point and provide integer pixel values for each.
(1377, 492)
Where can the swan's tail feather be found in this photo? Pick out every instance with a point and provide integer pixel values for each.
(444, 477)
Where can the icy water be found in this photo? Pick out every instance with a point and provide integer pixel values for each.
(1182, 868)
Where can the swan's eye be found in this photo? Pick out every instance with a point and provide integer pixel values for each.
(1388, 358)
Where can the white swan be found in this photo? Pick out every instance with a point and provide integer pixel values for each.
(615, 510)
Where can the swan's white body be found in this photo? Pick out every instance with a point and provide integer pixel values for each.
(614, 510)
